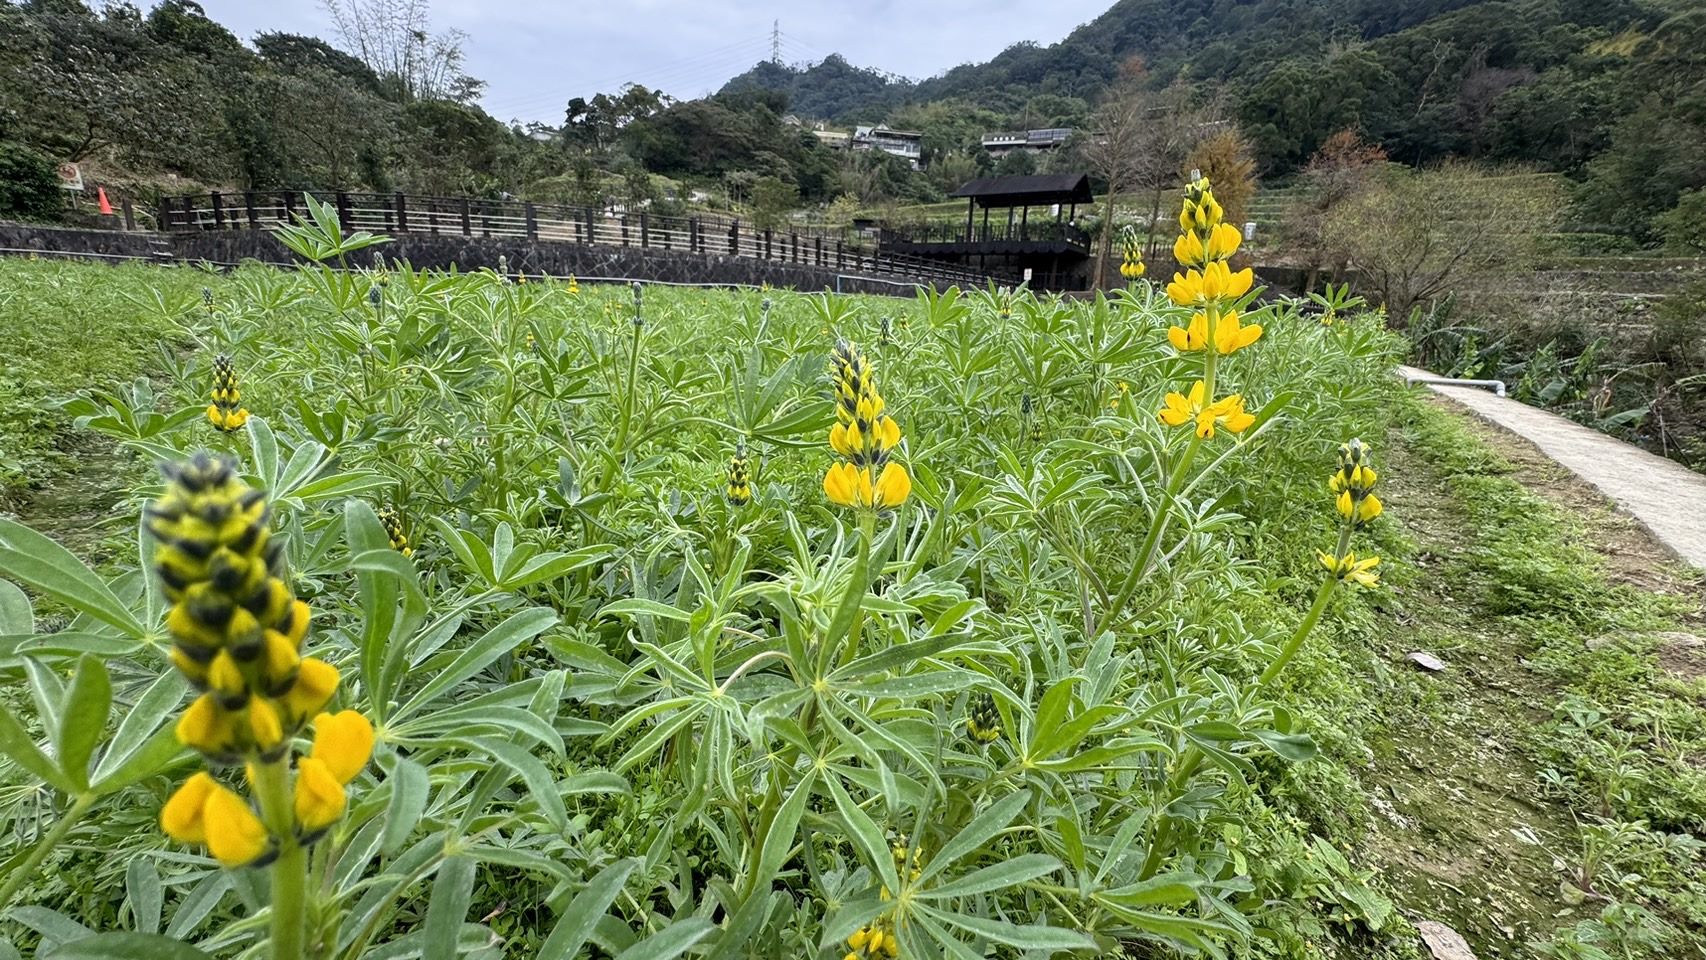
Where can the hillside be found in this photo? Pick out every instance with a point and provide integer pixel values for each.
(1524, 80)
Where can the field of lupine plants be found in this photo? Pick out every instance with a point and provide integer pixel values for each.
(478, 615)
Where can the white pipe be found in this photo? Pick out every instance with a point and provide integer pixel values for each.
(1497, 386)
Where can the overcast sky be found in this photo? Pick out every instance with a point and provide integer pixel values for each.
(535, 56)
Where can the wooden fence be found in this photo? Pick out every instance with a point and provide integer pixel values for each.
(471, 217)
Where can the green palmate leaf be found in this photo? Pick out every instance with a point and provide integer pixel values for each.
(978, 832)
(156, 754)
(780, 839)
(501, 639)
(17, 616)
(144, 894)
(1028, 937)
(409, 788)
(540, 784)
(36, 561)
(126, 946)
(1169, 889)
(582, 916)
(51, 924)
(670, 942)
(866, 835)
(83, 718)
(265, 449)
(639, 607)
(996, 876)
(452, 892)
(153, 708)
(16, 743)
(1295, 747)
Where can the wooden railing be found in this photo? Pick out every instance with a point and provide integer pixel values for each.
(398, 213)
(1022, 231)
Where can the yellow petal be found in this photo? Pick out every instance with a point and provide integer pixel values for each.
(344, 742)
(319, 800)
(1369, 509)
(1179, 338)
(264, 723)
(181, 817)
(204, 726)
(316, 681)
(893, 487)
(837, 486)
(1196, 394)
(235, 836)
(1344, 504)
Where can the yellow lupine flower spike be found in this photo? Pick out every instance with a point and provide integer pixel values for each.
(226, 411)
(864, 435)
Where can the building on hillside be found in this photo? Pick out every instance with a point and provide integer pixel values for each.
(905, 144)
(1046, 245)
(833, 139)
(1032, 141)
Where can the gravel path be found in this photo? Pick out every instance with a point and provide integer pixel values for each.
(1666, 498)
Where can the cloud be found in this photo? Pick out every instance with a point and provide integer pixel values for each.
(535, 56)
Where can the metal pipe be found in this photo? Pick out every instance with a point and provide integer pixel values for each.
(1497, 386)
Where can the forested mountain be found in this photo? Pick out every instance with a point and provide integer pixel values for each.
(1538, 80)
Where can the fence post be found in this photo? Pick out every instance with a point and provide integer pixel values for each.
(693, 234)
(767, 243)
(289, 206)
(165, 215)
(819, 243)
(643, 231)
(249, 208)
(590, 236)
(218, 210)
(840, 255)
(734, 238)
(467, 219)
(402, 212)
(532, 220)
(624, 229)
(129, 214)
(344, 211)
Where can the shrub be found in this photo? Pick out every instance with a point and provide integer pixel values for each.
(29, 189)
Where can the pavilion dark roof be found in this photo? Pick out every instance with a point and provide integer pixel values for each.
(1028, 190)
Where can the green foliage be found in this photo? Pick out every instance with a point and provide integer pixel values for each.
(607, 693)
(29, 189)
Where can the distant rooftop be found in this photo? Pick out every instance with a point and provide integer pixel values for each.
(1028, 190)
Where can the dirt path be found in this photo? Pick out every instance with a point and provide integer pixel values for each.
(1465, 834)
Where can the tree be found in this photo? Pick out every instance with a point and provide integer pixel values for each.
(772, 200)
(1226, 158)
(1419, 233)
(1016, 163)
(1337, 173)
(1138, 139)
(395, 39)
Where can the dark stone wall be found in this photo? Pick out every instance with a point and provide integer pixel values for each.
(23, 238)
(556, 258)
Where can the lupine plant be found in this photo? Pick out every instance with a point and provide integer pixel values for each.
(546, 619)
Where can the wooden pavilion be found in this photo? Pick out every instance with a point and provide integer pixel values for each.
(1046, 243)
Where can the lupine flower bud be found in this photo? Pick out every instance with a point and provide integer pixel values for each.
(983, 721)
(392, 521)
(739, 488)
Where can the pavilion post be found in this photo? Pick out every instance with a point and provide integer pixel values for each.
(971, 210)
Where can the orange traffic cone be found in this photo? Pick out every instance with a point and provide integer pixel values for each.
(106, 206)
